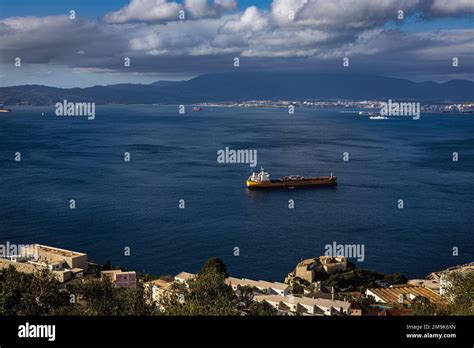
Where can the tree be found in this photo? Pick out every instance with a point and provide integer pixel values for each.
(101, 297)
(422, 306)
(215, 264)
(245, 296)
(297, 289)
(261, 309)
(132, 302)
(107, 266)
(396, 278)
(207, 294)
(460, 293)
(31, 294)
(12, 288)
(98, 297)
(368, 300)
(297, 285)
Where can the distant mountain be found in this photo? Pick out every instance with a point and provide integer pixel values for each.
(164, 83)
(239, 86)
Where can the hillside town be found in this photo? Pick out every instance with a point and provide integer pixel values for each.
(321, 286)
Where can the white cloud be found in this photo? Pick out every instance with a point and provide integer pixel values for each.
(450, 7)
(204, 9)
(285, 11)
(155, 11)
(251, 20)
(146, 11)
(343, 14)
(321, 31)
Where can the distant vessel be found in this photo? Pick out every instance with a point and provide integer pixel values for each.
(262, 180)
(3, 109)
(197, 108)
(379, 117)
(369, 113)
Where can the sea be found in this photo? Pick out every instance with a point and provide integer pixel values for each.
(400, 194)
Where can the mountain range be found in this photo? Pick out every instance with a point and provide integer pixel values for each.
(241, 86)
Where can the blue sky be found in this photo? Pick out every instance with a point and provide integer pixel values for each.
(88, 8)
(94, 9)
(90, 50)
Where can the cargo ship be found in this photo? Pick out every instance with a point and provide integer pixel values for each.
(262, 180)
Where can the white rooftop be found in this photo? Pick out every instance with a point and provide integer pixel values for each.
(318, 302)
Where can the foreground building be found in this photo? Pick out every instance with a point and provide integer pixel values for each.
(291, 305)
(438, 281)
(158, 291)
(403, 294)
(121, 279)
(274, 293)
(431, 284)
(184, 277)
(64, 264)
(259, 286)
(358, 310)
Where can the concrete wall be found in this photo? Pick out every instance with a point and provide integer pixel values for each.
(23, 267)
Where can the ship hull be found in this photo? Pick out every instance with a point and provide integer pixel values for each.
(304, 183)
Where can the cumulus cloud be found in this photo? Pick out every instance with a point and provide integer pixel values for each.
(291, 34)
(343, 14)
(450, 7)
(56, 39)
(203, 8)
(145, 10)
(251, 20)
(164, 10)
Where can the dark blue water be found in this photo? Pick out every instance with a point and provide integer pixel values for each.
(135, 204)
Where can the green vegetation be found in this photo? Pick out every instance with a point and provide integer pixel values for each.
(297, 285)
(101, 297)
(360, 279)
(42, 294)
(423, 306)
(396, 278)
(207, 294)
(461, 293)
(27, 294)
(459, 296)
(214, 265)
(261, 308)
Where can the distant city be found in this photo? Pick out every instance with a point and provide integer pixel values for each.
(459, 108)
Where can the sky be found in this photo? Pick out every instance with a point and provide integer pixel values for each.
(266, 35)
